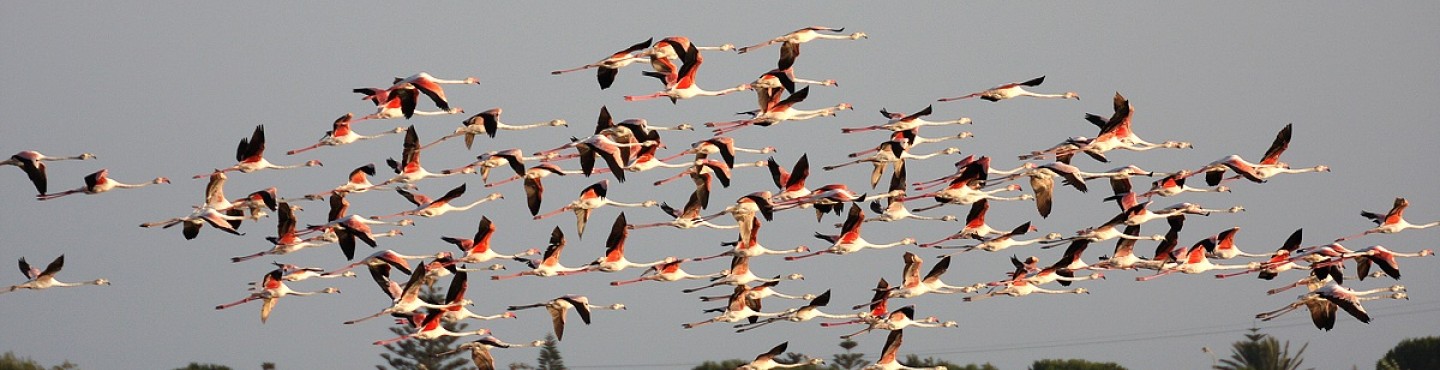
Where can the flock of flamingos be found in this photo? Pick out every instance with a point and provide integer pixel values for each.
(631, 145)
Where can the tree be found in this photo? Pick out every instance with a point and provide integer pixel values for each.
(9, 361)
(849, 360)
(418, 354)
(1262, 352)
(1074, 364)
(550, 355)
(722, 365)
(200, 366)
(913, 360)
(267, 366)
(1412, 354)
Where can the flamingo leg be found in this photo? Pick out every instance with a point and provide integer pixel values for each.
(645, 97)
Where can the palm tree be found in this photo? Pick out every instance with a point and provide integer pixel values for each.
(1262, 352)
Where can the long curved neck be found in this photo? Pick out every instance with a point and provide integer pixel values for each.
(503, 126)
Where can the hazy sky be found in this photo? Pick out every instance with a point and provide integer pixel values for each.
(167, 88)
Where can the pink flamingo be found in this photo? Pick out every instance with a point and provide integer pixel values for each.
(272, 289)
(1389, 223)
(488, 123)
(805, 35)
(680, 84)
(251, 155)
(1014, 89)
(33, 163)
(902, 122)
(849, 240)
(478, 250)
(549, 264)
(100, 182)
(592, 197)
(608, 68)
(340, 134)
(558, 308)
(39, 280)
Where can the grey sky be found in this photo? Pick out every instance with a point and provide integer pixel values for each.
(167, 88)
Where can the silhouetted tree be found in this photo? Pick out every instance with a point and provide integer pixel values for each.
(1074, 364)
(722, 365)
(913, 360)
(848, 360)
(413, 354)
(200, 366)
(267, 366)
(9, 361)
(1262, 352)
(1412, 354)
(550, 355)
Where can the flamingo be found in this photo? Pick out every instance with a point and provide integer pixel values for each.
(902, 122)
(1389, 223)
(592, 197)
(1104, 232)
(1005, 240)
(398, 102)
(601, 146)
(251, 156)
(1384, 258)
(900, 319)
(608, 68)
(1283, 259)
(408, 169)
(849, 240)
(1222, 246)
(357, 182)
(558, 308)
(1042, 182)
(965, 188)
(913, 285)
(480, 350)
(340, 134)
(488, 123)
(347, 229)
(1323, 301)
(100, 182)
(478, 250)
(666, 271)
(456, 302)
(1124, 257)
(272, 289)
(766, 361)
(975, 225)
(680, 84)
(802, 314)
(911, 138)
(297, 273)
(33, 163)
(888, 153)
(1115, 133)
(702, 171)
(549, 264)
(878, 303)
(749, 246)
(765, 289)
(1138, 214)
(888, 359)
(286, 240)
(198, 219)
(896, 210)
(38, 280)
(671, 47)
(1174, 184)
(614, 258)
(1014, 89)
(739, 274)
(1019, 286)
(773, 111)
(427, 327)
(1269, 165)
(963, 163)
(744, 211)
(791, 183)
(687, 218)
(430, 86)
(431, 208)
(740, 307)
(830, 198)
(408, 300)
(805, 35)
(1195, 263)
(534, 188)
(722, 145)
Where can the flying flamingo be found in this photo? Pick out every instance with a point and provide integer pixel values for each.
(408, 300)
(592, 197)
(558, 308)
(340, 134)
(198, 219)
(913, 285)
(749, 245)
(33, 163)
(1014, 89)
(1195, 262)
(287, 241)
(765, 289)
(1042, 183)
(1384, 258)
(534, 188)
(680, 84)
(1005, 240)
(488, 123)
(347, 229)
(456, 302)
(608, 68)
(791, 183)
(1323, 301)
(478, 250)
(1269, 165)
(878, 303)
(667, 271)
(773, 111)
(600, 146)
(251, 156)
(975, 225)
(1174, 184)
(357, 182)
(740, 307)
(739, 274)
(902, 122)
(849, 240)
(890, 153)
(722, 145)
(100, 182)
(966, 188)
(38, 280)
(1019, 286)
(911, 138)
(745, 209)
(430, 86)
(900, 319)
(805, 35)
(888, 355)
(1390, 222)
(963, 163)
(297, 273)
(427, 327)
(705, 169)
(1222, 246)
(480, 350)
(802, 314)
(408, 169)
(766, 361)
(1104, 232)
(614, 258)
(687, 218)
(398, 102)
(272, 289)
(549, 264)
(425, 207)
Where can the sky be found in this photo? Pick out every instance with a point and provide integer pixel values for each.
(167, 89)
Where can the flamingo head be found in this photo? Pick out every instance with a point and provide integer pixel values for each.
(907, 241)
(965, 134)
(949, 218)
(684, 127)
(394, 233)
(795, 277)
(404, 222)
(1072, 95)
(950, 324)
(1400, 295)
(348, 274)
(1097, 276)
(649, 203)
(965, 121)
(85, 156)
(844, 106)
(559, 122)
(510, 315)
(313, 163)
(817, 361)
(161, 180)
(1236, 209)
(1013, 187)
(727, 47)
(1178, 145)
(1082, 291)
(102, 282)
(1322, 168)
(859, 35)
(617, 306)
(472, 80)
(802, 249)
(495, 267)
(1053, 236)
(1397, 288)
(330, 290)
(807, 297)
(495, 196)
(1427, 252)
